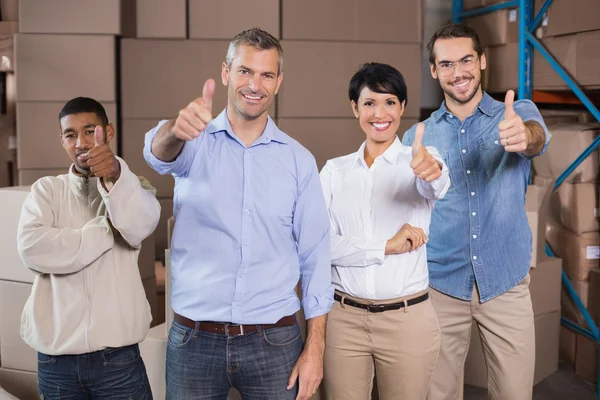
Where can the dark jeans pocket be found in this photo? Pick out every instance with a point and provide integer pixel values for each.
(179, 335)
(283, 336)
(120, 356)
(46, 359)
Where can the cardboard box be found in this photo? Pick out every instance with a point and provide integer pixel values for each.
(593, 305)
(577, 55)
(356, 20)
(8, 28)
(568, 308)
(160, 77)
(581, 253)
(328, 138)
(10, 10)
(327, 93)
(22, 384)
(29, 176)
(16, 354)
(567, 347)
(239, 17)
(162, 19)
(496, 28)
(537, 202)
(568, 142)
(160, 233)
(38, 135)
(132, 144)
(565, 17)
(61, 67)
(70, 16)
(577, 205)
(586, 358)
(7, 155)
(545, 286)
(12, 268)
(502, 72)
(546, 351)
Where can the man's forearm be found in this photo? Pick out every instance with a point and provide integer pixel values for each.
(537, 138)
(165, 146)
(315, 339)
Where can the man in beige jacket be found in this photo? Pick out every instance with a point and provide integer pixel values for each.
(81, 234)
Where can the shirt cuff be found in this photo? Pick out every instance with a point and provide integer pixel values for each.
(375, 252)
(317, 305)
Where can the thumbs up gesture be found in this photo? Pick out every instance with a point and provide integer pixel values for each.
(101, 160)
(193, 119)
(513, 133)
(423, 164)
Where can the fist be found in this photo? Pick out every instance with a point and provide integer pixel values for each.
(101, 160)
(195, 116)
(423, 164)
(513, 133)
(407, 239)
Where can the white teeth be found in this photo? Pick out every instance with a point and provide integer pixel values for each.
(252, 97)
(381, 125)
(462, 84)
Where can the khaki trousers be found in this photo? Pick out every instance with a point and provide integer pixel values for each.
(506, 329)
(398, 347)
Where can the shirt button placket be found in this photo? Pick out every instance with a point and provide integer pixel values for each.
(472, 197)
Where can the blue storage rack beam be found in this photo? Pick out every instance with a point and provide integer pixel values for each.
(528, 42)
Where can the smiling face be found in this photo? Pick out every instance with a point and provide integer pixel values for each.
(252, 81)
(379, 115)
(458, 68)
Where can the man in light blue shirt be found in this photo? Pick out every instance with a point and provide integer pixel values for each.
(479, 247)
(250, 222)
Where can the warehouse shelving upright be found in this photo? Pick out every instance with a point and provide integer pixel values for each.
(527, 43)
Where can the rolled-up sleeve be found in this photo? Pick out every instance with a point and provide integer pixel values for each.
(311, 229)
(178, 167)
(437, 188)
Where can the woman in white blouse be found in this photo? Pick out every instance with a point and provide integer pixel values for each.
(380, 200)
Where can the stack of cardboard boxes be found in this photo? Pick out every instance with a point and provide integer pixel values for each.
(573, 231)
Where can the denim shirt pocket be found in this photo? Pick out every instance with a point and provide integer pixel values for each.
(492, 154)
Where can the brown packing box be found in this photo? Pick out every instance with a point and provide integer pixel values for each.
(495, 28)
(12, 268)
(567, 347)
(16, 354)
(577, 205)
(328, 138)
(156, 90)
(537, 202)
(470, 4)
(61, 67)
(29, 176)
(581, 253)
(568, 308)
(577, 55)
(8, 28)
(160, 233)
(262, 13)
(586, 358)
(545, 286)
(7, 135)
(565, 16)
(70, 16)
(132, 144)
(21, 384)
(38, 135)
(568, 142)
(10, 10)
(593, 305)
(306, 92)
(547, 328)
(356, 20)
(161, 19)
(502, 72)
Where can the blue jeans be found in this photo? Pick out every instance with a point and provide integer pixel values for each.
(205, 365)
(112, 373)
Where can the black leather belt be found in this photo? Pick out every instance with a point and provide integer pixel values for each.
(377, 308)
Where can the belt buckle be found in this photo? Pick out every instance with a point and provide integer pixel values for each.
(227, 325)
(376, 308)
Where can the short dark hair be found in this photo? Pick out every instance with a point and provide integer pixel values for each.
(380, 78)
(257, 38)
(454, 31)
(80, 105)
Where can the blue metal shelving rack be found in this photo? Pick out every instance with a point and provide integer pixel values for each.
(528, 42)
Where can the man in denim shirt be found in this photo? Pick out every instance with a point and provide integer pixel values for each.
(479, 248)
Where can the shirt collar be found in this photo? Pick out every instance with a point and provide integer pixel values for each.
(271, 132)
(486, 106)
(390, 155)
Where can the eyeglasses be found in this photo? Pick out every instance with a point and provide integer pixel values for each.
(446, 68)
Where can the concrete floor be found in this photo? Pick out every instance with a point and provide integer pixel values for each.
(562, 385)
